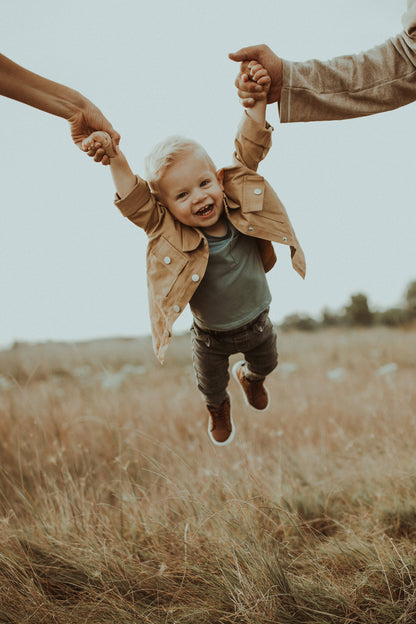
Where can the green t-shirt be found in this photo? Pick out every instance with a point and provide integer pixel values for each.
(234, 289)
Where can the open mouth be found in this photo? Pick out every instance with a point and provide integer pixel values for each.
(206, 211)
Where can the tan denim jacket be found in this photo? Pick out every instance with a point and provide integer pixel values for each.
(374, 81)
(177, 254)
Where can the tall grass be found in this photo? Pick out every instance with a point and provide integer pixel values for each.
(116, 508)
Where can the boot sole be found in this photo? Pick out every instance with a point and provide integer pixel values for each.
(228, 440)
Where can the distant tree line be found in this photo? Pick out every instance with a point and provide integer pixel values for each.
(357, 313)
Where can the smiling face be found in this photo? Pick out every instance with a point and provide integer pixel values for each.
(192, 190)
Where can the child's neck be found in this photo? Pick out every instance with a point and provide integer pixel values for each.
(218, 229)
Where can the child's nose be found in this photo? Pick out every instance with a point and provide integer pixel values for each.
(199, 194)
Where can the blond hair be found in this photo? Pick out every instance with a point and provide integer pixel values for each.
(165, 153)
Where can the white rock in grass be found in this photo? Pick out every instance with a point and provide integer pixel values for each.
(336, 374)
(82, 371)
(5, 383)
(288, 368)
(388, 369)
(111, 381)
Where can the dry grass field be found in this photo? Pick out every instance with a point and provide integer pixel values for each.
(115, 507)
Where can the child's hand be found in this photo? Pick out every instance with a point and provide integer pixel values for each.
(99, 146)
(253, 72)
(259, 74)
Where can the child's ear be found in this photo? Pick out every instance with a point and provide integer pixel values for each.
(220, 178)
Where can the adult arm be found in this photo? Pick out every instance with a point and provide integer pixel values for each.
(84, 117)
(380, 79)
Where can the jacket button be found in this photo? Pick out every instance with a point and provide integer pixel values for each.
(176, 308)
(284, 239)
(195, 277)
(257, 191)
(167, 260)
(251, 228)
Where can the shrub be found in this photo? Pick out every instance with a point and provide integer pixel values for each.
(303, 322)
(394, 317)
(332, 319)
(411, 297)
(358, 311)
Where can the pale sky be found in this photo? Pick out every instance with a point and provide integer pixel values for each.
(72, 268)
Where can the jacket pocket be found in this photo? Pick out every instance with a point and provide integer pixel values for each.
(165, 263)
(253, 193)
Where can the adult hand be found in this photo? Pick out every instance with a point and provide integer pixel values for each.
(86, 121)
(248, 91)
(18, 83)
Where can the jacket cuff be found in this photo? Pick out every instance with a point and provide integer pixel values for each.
(409, 19)
(138, 196)
(255, 132)
(284, 104)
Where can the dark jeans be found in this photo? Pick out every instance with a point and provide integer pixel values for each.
(211, 350)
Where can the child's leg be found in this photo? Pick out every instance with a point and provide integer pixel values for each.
(260, 359)
(211, 372)
(210, 366)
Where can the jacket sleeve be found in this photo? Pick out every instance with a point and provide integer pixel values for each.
(380, 79)
(252, 142)
(139, 206)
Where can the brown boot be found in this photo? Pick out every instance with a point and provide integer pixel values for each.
(255, 394)
(220, 425)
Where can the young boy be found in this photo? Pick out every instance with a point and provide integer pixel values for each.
(210, 236)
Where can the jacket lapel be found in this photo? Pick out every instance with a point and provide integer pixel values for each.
(191, 238)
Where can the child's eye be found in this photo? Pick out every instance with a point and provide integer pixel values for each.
(205, 182)
(181, 195)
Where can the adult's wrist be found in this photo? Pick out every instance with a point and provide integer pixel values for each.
(71, 102)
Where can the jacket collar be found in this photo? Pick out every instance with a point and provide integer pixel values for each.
(191, 238)
(230, 203)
